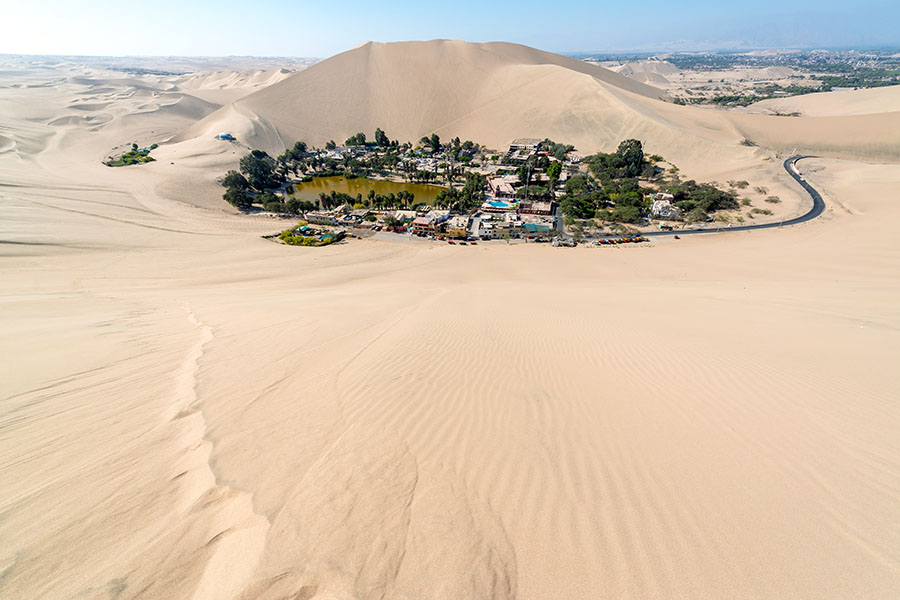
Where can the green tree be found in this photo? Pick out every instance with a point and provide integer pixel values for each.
(472, 194)
(433, 142)
(238, 198)
(553, 173)
(524, 173)
(356, 140)
(627, 214)
(233, 179)
(632, 154)
(577, 184)
(381, 138)
(578, 207)
(554, 170)
(258, 169)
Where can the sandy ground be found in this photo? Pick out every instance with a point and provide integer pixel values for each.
(691, 83)
(835, 103)
(190, 411)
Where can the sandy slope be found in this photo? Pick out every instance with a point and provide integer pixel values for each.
(189, 411)
(223, 87)
(834, 104)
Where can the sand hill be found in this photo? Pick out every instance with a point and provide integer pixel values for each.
(415, 88)
(188, 410)
(492, 93)
(227, 86)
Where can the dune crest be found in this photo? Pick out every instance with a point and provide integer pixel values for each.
(494, 92)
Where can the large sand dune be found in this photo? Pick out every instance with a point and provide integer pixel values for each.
(493, 93)
(190, 411)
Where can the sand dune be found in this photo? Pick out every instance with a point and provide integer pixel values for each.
(659, 67)
(493, 93)
(395, 86)
(191, 411)
(223, 87)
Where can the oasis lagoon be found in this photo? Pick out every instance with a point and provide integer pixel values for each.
(361, 185)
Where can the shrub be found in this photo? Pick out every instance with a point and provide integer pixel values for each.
(773, 199)
(697, 214)
(745, 201)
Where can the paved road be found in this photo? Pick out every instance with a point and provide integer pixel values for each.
(475, 227)
(817, 209)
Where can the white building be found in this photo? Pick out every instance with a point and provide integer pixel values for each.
(663, 209)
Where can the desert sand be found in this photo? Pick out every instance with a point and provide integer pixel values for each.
(191, 411)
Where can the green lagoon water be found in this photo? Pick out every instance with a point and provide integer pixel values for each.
(361, 185)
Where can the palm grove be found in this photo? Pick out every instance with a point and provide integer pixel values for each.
(260, 175)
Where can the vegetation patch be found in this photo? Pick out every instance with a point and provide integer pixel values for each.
(134, 156)
(612, 189)
(304, 235)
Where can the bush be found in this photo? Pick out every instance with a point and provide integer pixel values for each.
(132, 157)
(773, 199)
(745, 201)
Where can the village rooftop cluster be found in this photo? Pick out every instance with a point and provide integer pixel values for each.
(506, 212)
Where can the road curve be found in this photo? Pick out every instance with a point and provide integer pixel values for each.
(817, 209)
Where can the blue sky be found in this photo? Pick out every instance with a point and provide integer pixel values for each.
(324, 28)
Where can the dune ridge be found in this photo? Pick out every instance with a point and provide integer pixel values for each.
(492, 93)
